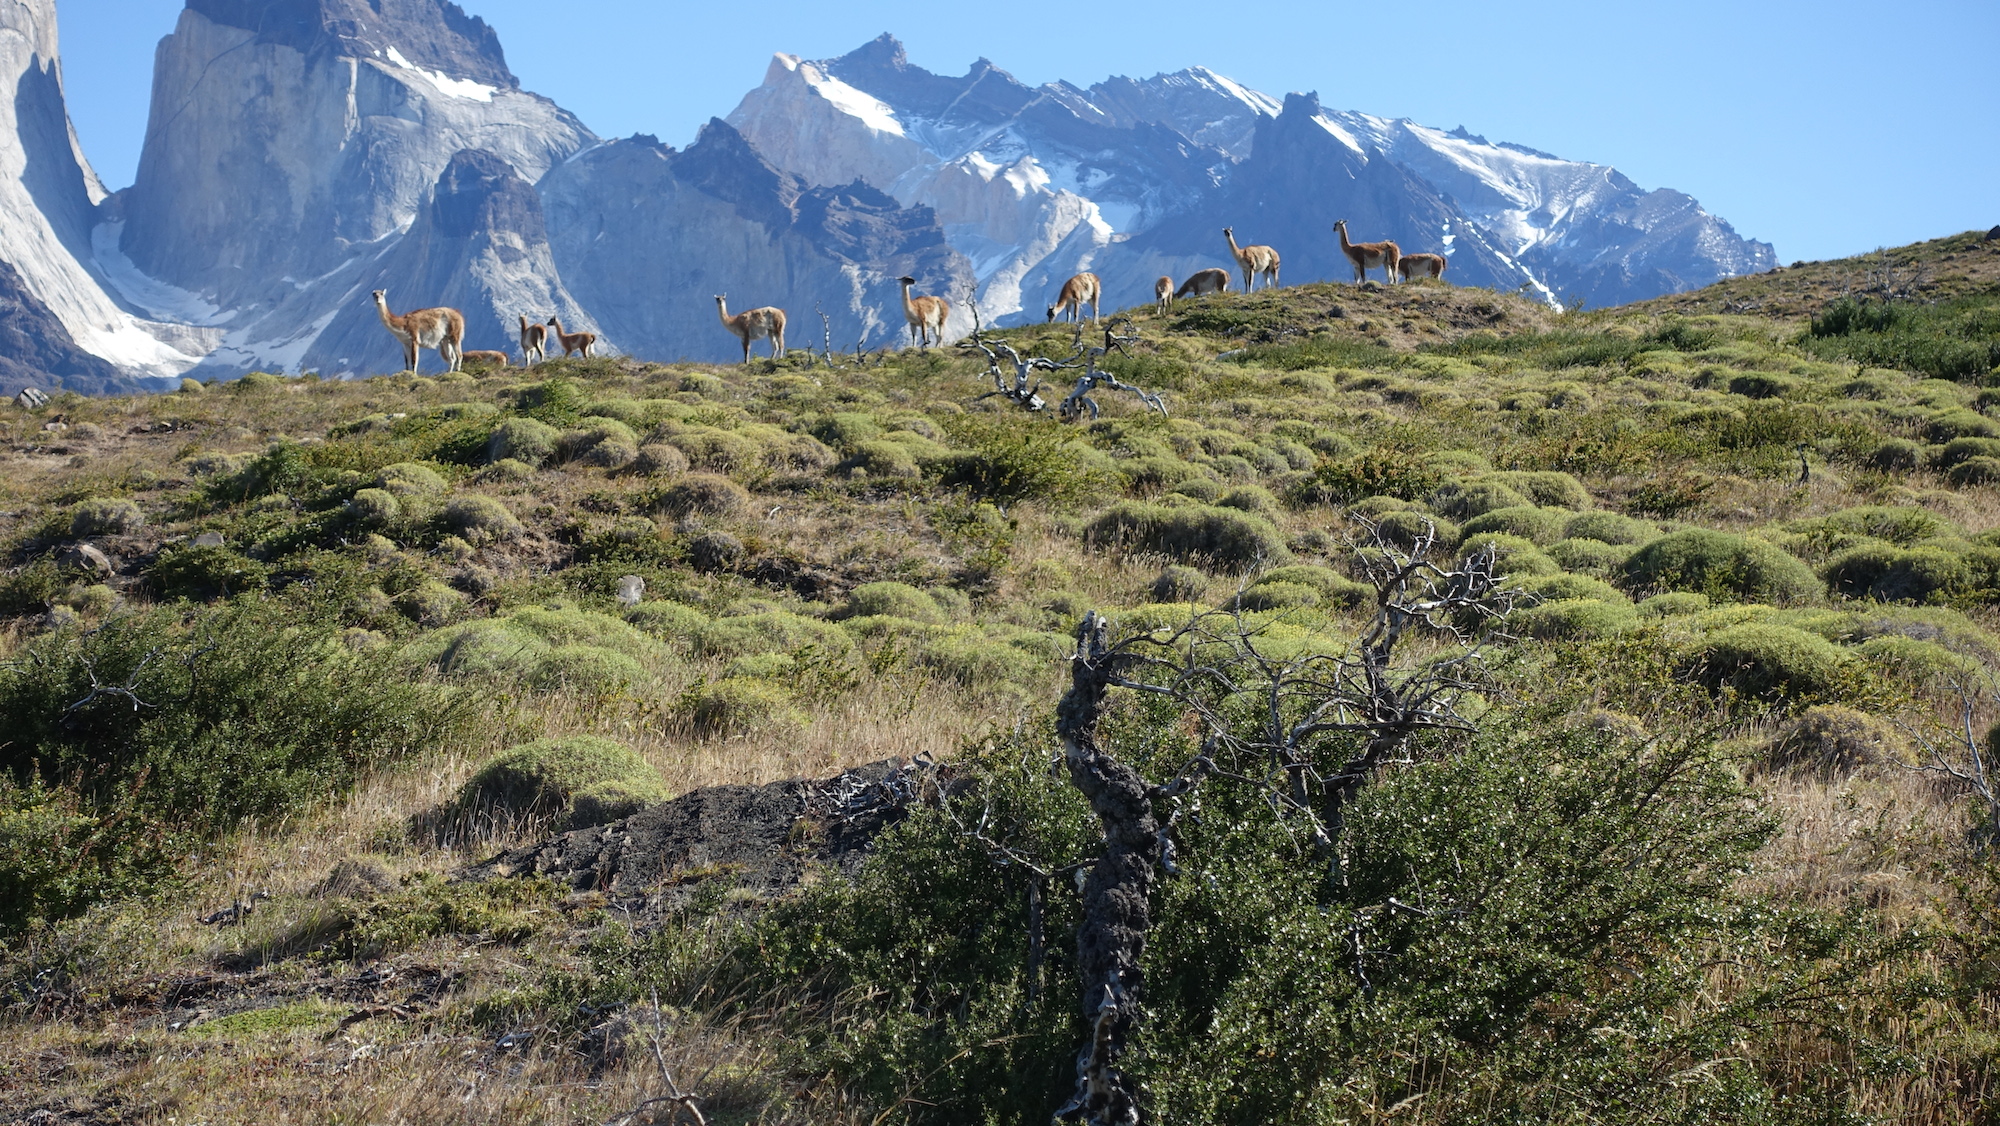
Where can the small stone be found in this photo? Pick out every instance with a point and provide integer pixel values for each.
(631, 588)
(1991, 236)
(208, 539)
(87, 557)
(30, 399)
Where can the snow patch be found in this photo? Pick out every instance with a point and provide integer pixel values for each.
(868, 109)
(1342, 135)
(156, 298)
(450, 87)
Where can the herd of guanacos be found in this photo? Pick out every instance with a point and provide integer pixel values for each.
(443, 329)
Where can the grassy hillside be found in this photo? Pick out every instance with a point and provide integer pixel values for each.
(312, 647)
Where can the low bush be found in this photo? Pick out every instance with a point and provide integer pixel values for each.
(585, 670)
(374, 508)
(1890, 574)
(1465, 501)
(1722, 566)
(897, 600)
(1405, 527)
(1896, 455)
(738, 706)
(1334, 589)
(1179, 583)
(1834, 740)
(1221, 537)
(771, 631)
(668, 621)
(1547, 488)
(701, 494)
(1539, 526)
(1579, 619)
(478, 517)
(883, 458)
(1609, 527)
(1590, 556)
(525, 440)
(1975, 471)
(1772, 663)
(203, 573)
(105, 516)
(658, 459)
(578, 780)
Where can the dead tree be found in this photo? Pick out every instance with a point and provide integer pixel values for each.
(1329, 720)
(1960, 755)
(1015, 377)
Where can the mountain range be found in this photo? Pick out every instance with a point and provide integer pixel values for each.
(301, 153)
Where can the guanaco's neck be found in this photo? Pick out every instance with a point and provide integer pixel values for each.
(388, 318)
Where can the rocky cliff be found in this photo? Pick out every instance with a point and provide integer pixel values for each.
(1134, 178)
(65, 328)
(294, 147)
(647, 236)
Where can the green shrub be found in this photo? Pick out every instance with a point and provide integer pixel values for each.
(492, 650)
(738, 706)
(1564, 588)
(1202, 489)
(1896, 455)
(1012, 459)
(1831, 739)
(479, 517)
(1405, 527)
(1334, 588)
(1464, 501)
(1251, 499)
(1960, 450)
(1539, 526)
(104, 516)
(669, 621)
(1722, 566)
(252, 709)
(1891, 574)
(1589, 556)
(1609, 527)
(883, 458)
(202, 573)
(1975, 471)
(1897, 524)
(772, 631)
(1179, 583)
(1222, 537)
(409, 478)
(1268, 595)
(1923, 665)
(578, 780)
(1547, 488)
(1377, 473)
(1673, 605)
(1517, 557)
(702, 494)
(525, 440)
(374, 508)
(59, 857)
(1579, 619)
(898, 600)
(658, 459)
(976, 662)
(1768, 662)
(586, 670)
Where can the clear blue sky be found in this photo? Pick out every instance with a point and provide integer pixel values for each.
(1826, 128)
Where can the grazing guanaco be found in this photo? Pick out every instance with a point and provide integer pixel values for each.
(925, 314)
(1421, 266)
(441, 329)
(1076, 291)
(581, 342)
(1212, 280)
(754, 324)
(1163, 295)
(534, 341)
(1253, 260)
(494, 359)
(1368, 255)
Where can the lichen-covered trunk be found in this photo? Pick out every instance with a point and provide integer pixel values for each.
(1116, 912)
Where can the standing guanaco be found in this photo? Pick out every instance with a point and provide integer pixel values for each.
(1163, 295)
(1421, 265)
(925, 314)
(581, 342)
(1076, 291)
(1368, 255)
(1253, 260)
(754, 324)
(440, 328)
(534, 341)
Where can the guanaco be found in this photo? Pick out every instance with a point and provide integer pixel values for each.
(534, 341)
(1421, 266)
(1253, 260)
(925, 314)
(1213, 280)
(1163, 295)
(1076, 291)
(441, 329)
(581, 342)
(754, 324)
(1368, 255)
